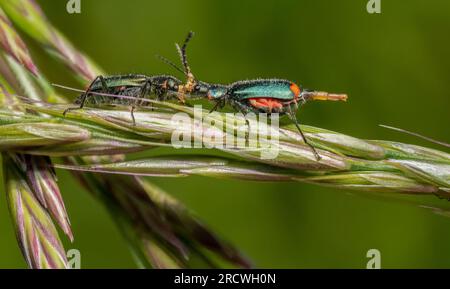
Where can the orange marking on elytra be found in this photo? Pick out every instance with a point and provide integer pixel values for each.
(295, 90)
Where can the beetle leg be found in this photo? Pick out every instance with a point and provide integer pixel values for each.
(86, 93)
(147, 89)
(244, 110)
(132, 114)
(220, 103)
(215, 107)
(292, 116)
(144, 89)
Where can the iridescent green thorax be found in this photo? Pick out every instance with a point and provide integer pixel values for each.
(217, 91)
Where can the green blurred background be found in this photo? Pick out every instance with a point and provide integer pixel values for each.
(395, 66)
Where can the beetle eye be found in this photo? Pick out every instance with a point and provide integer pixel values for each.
(197, 87)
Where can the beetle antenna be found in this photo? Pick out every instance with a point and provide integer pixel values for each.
(417, 135)
(170, 63)
(183, 56)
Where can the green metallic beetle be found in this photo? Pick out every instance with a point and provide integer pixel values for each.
(258, 95)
